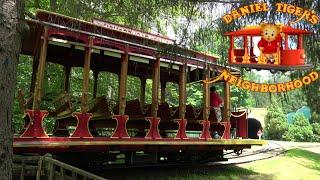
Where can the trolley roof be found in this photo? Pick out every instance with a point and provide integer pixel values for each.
(256, 31)
(68, 38)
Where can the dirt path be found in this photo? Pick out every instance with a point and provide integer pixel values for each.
(313, 147)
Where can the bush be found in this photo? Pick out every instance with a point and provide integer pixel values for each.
(316, 128)
(300, 130)
(315, 118)
(275, 122)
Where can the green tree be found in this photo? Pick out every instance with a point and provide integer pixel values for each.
(11, 33)
(275, 122)
(300, 130)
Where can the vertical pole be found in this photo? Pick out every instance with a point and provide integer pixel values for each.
(226, 109)
(67, 71)
(245, 58)
(182, 91)
(41, 71)
(251, 46)
(95, 83)
(155, 87)
(86, 71)
(245, 42)
(35, 65)
(123, 82)
(143, 91)
(231, 42)
(232, 57)
(163, 91)
(300, 42)
(286, 42)
(206, 94)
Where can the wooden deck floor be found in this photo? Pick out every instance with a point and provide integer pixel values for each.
(103, 143)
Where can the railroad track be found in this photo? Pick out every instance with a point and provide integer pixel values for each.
(271, 150)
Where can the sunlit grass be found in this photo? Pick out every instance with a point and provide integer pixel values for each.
(295, 164)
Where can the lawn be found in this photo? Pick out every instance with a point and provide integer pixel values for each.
(294, 164)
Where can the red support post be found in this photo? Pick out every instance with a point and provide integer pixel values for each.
(35, 128)
(226, 133)
(181, 134)
(121, 129)
(205, 130)
(82, 129)
(153, 132)
(300, 41)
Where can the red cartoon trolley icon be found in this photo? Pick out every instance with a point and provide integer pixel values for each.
(274, 53)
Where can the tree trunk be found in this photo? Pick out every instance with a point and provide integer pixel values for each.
(53, 5)
(10, 42)
(36, 4)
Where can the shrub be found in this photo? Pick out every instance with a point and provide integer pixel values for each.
(275, 122)
(315, 118)
(316, 128)
(300, 130)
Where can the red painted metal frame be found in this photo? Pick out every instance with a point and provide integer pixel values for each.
(227, 127)
(121, 129)
(205, 130)
(153, 132)
(35, 128)
(82, 129)
(181, 134)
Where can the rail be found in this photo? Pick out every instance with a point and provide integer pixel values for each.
(58, 170)
(52, 169)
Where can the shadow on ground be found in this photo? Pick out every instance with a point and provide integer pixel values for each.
(192, 173)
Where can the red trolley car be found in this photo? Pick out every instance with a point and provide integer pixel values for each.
(100, 46)
(289, 58)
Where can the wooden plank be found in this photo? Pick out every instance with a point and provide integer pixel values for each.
(155, 87)
(226, 110)
(74, 176)
(123, 81)
(206, 94)
(68, 144)
(38, 175)
(51, 171)
(41, 71)
(22, 170)
(86, 74)
(182, 91)
(62, 172)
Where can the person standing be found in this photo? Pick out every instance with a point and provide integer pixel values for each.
(216, 102)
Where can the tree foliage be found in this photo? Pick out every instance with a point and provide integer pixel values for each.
(275, 122)
(300, 130)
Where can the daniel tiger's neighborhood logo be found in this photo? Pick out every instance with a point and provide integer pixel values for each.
(271, 51)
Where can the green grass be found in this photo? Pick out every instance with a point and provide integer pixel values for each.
(295, 164)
